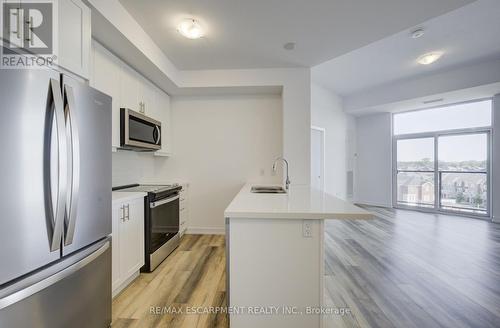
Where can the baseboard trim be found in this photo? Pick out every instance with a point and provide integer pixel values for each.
(125, 284)
(205, 231)
(372, 204)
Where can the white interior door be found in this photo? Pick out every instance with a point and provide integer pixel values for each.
(317, 157)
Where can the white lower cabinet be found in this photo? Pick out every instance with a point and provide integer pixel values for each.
(127, 242)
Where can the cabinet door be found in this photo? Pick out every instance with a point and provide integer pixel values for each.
(132, 239)
(148, 97)
(129, 88)
(74, 37)
(163, 104)
(136, 222)
(106, 78)
(115, 255)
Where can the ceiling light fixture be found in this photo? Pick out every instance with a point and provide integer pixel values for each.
(417, 33)
(190, 28)
(289, 46)
(429, 58)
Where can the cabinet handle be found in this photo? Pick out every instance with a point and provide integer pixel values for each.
(30, 31)
(18, 22)
(127, 213)
(122, 213)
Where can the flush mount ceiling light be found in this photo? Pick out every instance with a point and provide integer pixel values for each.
(429, 58)
(415, 34)
(289, 46)
(190, 28)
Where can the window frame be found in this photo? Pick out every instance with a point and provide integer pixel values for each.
(488, 130)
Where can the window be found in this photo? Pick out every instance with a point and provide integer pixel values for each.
(442, 158)
(462, 116)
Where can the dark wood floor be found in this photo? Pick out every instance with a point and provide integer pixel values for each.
(402, 269)
(410, 269)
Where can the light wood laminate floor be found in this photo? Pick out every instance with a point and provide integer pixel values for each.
(402, 269)
(412, 269)
(192, 276)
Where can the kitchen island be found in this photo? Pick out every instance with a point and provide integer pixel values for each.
(274, 252)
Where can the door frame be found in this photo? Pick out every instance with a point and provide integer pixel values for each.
(323, 141)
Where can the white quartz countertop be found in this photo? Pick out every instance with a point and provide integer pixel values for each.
(301, 202)
(123, 196)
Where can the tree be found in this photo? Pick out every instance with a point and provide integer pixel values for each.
(478, 200)
(460, 197)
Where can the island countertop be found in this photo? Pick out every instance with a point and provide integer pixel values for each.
(301, 202)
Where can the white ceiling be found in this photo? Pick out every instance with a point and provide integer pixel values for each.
(251, 33)
(468, 34)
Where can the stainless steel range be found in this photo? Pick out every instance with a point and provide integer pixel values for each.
(161, 221)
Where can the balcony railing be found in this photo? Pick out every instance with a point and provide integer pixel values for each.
(457, 191)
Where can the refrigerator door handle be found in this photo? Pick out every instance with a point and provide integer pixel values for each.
(58, 217)
(51, 280)
(74, 167)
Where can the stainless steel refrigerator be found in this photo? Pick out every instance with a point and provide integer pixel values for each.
(55, 201)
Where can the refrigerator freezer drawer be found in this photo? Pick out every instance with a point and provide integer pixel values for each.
(76, 296)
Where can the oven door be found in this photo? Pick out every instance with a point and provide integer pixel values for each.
(138, 131)
(164, 221)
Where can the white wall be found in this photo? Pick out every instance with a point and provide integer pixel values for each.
(495, 174)
(327, 113)
(373, 173)
(219, 143)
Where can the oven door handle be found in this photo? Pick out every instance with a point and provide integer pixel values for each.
(163, 201)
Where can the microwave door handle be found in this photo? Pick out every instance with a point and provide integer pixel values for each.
(74, 159)
(57, 223)
(157, 128)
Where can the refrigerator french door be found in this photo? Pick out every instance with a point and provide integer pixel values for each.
(55, 218)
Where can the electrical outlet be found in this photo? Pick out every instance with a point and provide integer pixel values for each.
(307, 229)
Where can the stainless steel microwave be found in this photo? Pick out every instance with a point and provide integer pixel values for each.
(139, 132)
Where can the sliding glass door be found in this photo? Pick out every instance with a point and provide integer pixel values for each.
(463, 172)
(446, 171)
(415, 172)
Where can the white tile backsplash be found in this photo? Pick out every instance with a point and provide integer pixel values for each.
(132, 167)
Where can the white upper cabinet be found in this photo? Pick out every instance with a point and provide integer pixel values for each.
(74, 37)
(163, 103)
(105, 77)
(148, 99)
(130, 86)
(130, 90)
